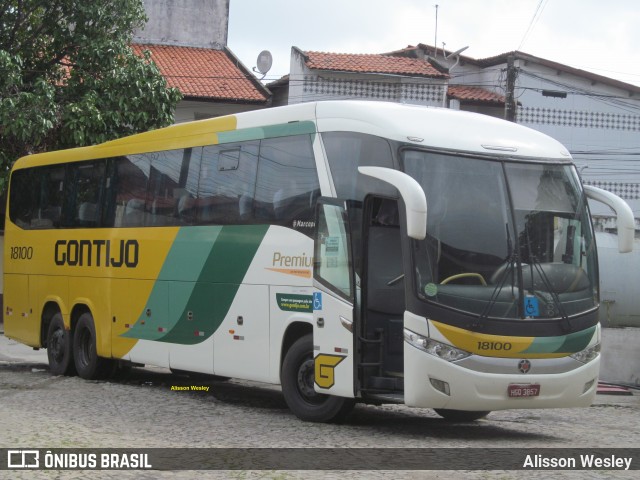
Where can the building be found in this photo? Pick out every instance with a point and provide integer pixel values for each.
(329, 76)
(596, 117)
(187, 40)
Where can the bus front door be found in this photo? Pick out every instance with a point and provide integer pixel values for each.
(333, 301)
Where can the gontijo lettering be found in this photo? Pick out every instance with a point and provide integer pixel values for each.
(89, 253)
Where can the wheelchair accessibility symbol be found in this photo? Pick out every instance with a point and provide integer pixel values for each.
(531, 307)
(317, 301)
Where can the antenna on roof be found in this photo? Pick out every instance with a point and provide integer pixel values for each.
(435, 38)
(265, 60)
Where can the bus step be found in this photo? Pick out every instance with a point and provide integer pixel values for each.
(386, 397)
(385, 383)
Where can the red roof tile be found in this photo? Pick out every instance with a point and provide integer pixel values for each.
(204, 73)
(347, 62)
(474, 94)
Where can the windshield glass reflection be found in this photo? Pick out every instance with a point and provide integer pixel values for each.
(505, 240)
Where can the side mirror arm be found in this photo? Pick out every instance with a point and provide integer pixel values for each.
(625, 220)
(412, 194)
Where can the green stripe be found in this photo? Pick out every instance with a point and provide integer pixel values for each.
(576, 342)
(198, 282)
(572, 343)
(182, 267)
(271, 131)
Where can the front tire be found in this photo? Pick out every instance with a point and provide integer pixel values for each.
(297, 387)
(88, 364)
(461, 415)
(59, 347)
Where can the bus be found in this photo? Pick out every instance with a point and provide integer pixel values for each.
(348, 251)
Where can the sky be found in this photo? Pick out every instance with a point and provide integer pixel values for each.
(598, 36)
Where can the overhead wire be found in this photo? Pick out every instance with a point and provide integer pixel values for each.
(534, 20)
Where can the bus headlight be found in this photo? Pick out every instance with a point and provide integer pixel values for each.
(588, 354)
(432, 347)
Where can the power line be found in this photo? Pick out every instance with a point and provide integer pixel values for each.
(536, 16)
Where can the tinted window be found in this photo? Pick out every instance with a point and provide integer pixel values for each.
(346, 152)
(287, 186)
(83, 199)
(36, 197)
(168, 187)
(130, 178)
(272, 181)
(152, 189)
(23, 198)
(227, 184)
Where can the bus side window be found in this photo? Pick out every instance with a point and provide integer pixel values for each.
(84, 194)
(109, 205)
(51, 195)
(36, 197)
(227, 184)
(165, 190)
(23, 198)
(287, 185)
(346, 151)
(131, 178)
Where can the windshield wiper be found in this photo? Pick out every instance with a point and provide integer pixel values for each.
(512, 260)
(534, 263)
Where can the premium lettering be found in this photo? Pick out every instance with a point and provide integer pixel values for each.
(280, 260)
(97, 253)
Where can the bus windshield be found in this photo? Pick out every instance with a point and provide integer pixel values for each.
(504, 239)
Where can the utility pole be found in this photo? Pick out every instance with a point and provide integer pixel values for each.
(510, 101)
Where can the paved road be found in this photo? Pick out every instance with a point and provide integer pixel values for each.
(38, 410)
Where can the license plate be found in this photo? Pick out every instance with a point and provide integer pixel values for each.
(521, 391)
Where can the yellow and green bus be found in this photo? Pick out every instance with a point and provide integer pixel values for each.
(294, 246)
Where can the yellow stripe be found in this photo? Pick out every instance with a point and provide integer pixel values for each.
(182, 135)
(490, 345)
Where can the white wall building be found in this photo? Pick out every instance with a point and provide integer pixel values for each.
(595, 117)
(318, 76)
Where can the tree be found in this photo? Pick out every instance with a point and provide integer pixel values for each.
(69, 78)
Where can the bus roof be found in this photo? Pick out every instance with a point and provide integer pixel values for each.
(418, 125)
(440, 128)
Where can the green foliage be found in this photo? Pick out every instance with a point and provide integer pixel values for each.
(68, 77)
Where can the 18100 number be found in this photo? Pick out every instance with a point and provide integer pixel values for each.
(21, 253)
(506, 346)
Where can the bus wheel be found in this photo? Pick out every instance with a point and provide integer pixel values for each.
(59, 351)
(461, 415)
(88, 364)
(297, 387)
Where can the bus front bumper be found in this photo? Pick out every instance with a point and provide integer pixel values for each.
(431, 382)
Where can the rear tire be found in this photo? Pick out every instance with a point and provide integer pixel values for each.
(461, 415)
(297, 387)
(88, 364)
(59, 347)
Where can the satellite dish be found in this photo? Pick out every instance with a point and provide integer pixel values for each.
(265, 60)
(457, 52)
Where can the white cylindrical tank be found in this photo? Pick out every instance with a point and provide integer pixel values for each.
(619, 282)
